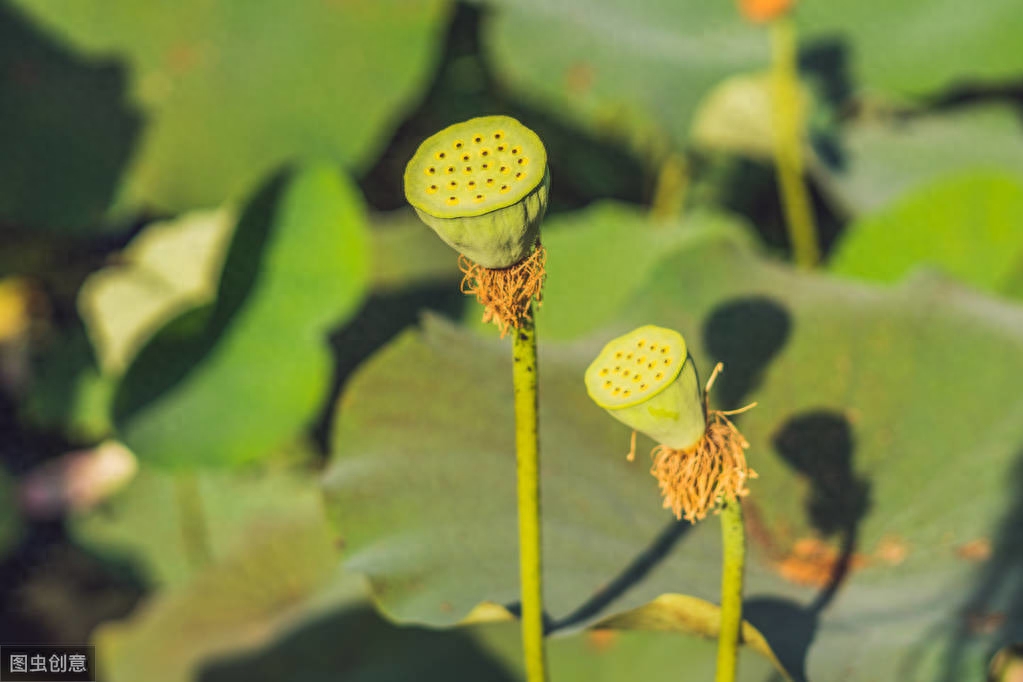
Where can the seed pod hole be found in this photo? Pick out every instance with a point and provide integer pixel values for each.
(452, 201)
(488, 138)
(627, 383)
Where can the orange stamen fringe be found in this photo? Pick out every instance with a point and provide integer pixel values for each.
(694, 480)
(506, 294)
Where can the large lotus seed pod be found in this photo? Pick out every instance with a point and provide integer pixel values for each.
(646, 380)
(482, 186)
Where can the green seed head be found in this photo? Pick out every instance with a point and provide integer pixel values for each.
(646, 380)
(482, 185)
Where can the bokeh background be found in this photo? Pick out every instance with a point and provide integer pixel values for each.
(251, 430)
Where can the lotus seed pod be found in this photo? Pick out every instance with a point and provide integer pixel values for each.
(647, 380)
(482, 186)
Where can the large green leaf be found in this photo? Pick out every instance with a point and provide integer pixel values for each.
(622, 65)
(971, 226)
(281, 573)
(168, 268)
(606, 252)
(635, 64)
(231, 90)
(889, 420)
(917, 47)
(168, 525)
(882, 158)
(234, 381)
(275, 613)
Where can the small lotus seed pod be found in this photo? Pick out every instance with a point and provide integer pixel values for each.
(762, 11)
(482, 186)
(646, 380)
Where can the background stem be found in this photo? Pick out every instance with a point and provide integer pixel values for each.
(734, 546)
(528, 458)
(787, 122)
(194, 533)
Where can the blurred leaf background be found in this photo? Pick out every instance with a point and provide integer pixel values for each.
(250, 430)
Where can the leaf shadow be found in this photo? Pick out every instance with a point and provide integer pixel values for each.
(819, 446)
(746, 334)
(635, 572)
(357, 643)
(176, 351)
(68, 130)
(992, 615)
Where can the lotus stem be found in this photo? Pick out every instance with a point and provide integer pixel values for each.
(788, 146)
(733, 566)
(528, 460)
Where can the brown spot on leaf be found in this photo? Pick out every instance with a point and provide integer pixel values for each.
(446, 607)
(984, 622)
(814, 562)
(182, 58)
(601, 640)
(579, 78)
(975, 550)
(892, 550)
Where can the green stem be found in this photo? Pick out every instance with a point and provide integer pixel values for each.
(734, 546)
(788, 146)
(528, 458)
(194, 533)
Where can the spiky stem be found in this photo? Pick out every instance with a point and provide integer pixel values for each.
(528, 457)
(732, 568)
(788, 147)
